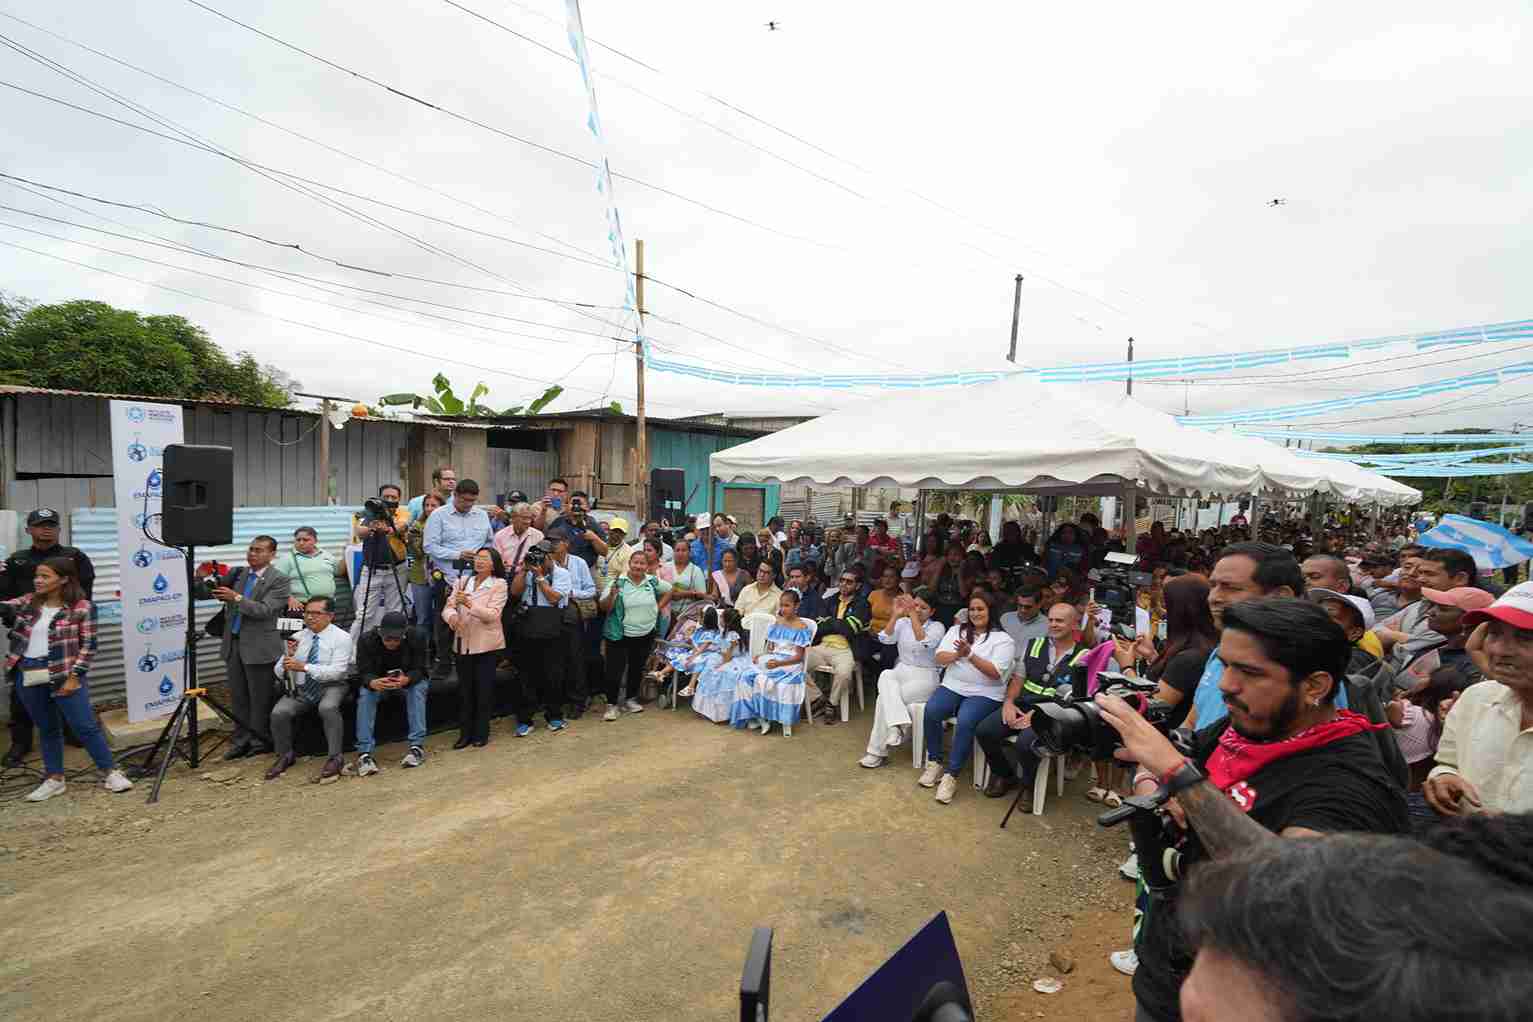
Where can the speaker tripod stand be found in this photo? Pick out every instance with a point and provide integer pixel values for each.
(185, 715)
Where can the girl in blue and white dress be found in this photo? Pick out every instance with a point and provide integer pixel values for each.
(716, 666)
(772, 690)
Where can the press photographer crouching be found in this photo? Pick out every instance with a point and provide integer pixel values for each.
(1284, 762)
(391, 658)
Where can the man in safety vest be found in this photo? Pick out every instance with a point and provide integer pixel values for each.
(1045, 664)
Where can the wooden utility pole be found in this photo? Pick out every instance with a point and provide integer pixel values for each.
(324, 451)
(1016, 313)
(1130, 367)
(641, 474)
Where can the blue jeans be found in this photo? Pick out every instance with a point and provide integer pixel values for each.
(75, 709)
(969, 710)
(420, 601)
(415, 713)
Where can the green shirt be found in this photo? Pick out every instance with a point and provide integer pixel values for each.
(641, 612)
(690, 577)
(312, 574)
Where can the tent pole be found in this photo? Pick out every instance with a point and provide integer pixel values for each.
(1130, 514)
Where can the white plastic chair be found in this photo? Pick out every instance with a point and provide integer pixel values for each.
(918, 743)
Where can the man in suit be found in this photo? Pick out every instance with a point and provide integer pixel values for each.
(253, 598)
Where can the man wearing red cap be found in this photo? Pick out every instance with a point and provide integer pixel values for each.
(1485, 758)
(1445, 616)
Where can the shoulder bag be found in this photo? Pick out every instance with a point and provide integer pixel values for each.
(539, 622)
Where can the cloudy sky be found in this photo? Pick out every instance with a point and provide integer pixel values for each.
(854, 191)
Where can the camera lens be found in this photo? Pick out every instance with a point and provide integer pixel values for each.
(1061, 729)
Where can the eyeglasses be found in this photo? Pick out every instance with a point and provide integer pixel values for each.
(848, 578)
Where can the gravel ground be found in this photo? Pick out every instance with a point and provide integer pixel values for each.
(613, 872)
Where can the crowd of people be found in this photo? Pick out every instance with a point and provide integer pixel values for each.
(1322, 676)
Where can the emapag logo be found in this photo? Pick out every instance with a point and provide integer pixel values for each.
(153, 482)
(148, 625)
(161, 583)
(166, 685)
(135, 413)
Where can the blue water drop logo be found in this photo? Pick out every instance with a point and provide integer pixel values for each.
(161, 583)
(166, 685)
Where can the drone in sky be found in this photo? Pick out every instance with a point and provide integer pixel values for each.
(773, 26)
(1277, 202)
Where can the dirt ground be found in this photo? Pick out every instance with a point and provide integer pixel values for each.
(612, 872)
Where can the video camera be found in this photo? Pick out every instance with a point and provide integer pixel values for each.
(1117, 585)
(374, 509)
(535, 556)
(1076, 725)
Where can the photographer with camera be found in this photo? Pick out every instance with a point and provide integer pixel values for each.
(542, 589)
(587, 536)
(454, 533)
(381, 528)
(391, 658)
(1284, 762)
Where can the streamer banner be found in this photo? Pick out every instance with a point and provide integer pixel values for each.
(1386, 438)
(1457, 471)
(1421, 457)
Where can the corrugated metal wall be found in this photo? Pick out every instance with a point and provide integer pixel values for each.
(528, 471)
(276, 454)
(94, 530)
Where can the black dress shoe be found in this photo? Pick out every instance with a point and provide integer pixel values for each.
(480, 743)
(237, 752)
(462, 743)
(14, 757)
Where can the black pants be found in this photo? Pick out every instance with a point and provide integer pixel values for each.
(441, 634)
(871, 651)
(540, 668)
(992, 734)
(625, 666)
(584, 669)
(476, 694)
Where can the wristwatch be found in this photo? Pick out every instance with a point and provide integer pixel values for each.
(1183, 777)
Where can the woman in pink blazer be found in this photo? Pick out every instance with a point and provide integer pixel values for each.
(473, 613)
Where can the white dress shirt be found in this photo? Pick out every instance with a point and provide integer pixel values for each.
(916, 652)
(334, 658)
(1484, 742)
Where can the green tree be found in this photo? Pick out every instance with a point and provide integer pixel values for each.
(84, 345)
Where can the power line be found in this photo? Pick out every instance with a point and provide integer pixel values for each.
(300, 135)
(432, 355)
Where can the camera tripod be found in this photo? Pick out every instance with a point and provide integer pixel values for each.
(185, 715)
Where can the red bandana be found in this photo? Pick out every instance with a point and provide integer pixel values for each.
(1237, 758)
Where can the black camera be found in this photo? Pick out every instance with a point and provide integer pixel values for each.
(1072, 725)
(374, 510)
(463, 563)
(1116, 586)
(535, 556)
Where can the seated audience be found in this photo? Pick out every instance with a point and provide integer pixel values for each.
(942, 577)
(391, 658)
(761, 595)
(914, 677)
(771, 689)
(715, 657)
(312, 677)
(844, 620)
(977, 658)
(1445, 616)
(880, 609)
(725, 584)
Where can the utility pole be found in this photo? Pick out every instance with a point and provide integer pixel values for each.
(324, 451)
(1016, 312)
(1130, 367)
(641, 482)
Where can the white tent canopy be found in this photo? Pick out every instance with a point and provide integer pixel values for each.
(1018, 434)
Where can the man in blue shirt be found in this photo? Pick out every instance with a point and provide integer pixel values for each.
(454, 532)
(708, 548)
(582, 626)
(1244, 571)
(540, 663)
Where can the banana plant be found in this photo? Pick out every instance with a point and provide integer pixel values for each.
(445, 402)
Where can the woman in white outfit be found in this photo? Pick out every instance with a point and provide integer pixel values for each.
(911, 680)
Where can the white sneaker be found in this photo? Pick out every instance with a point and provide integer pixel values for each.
(611, 713)
(1126, 962)
(116, 781)
(896, 737)
(414, 758)
(929, 776)
(1130, 868)
(947, 789)
(633, 706)
(872, 762)
(366, 767)
(50, 787)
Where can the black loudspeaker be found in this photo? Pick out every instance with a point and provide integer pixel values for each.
(198, 506)
(668, 495)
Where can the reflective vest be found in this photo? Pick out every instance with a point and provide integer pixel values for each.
(1039, 677)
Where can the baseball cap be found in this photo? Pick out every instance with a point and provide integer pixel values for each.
(1362, 606)
(43, 516)
(619, 523)
(516, 497)
(1462, 597)
(702, 521)
(393, 625)
(1514, 607)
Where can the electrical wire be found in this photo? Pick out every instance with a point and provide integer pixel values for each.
(435, 356)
